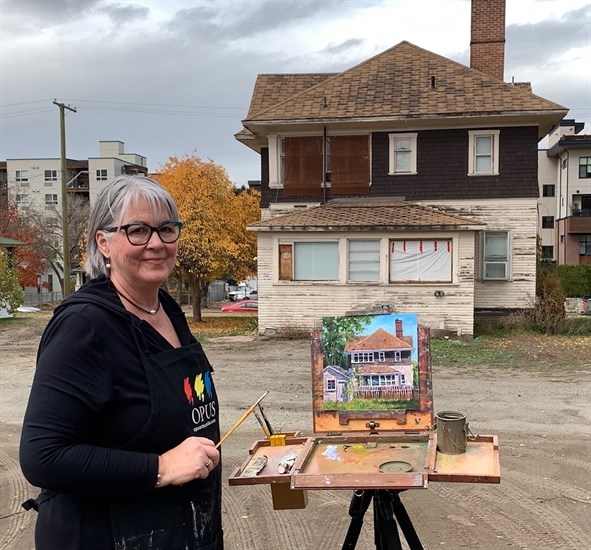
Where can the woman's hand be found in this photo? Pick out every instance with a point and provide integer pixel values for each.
(193, 459)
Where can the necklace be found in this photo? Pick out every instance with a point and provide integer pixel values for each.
(150, 311)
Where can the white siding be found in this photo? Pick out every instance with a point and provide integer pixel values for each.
(295, 305)
(520, 217)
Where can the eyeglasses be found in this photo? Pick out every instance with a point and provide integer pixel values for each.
(139, 234)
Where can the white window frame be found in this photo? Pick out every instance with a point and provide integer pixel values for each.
(363, 265)
(50, 175)
(412, 258)
(102, 174)
(492, 260)
(360, 357)
(296, 267)
(494, 152)
(22, 176)
(274, 162)
(50, 200)
(22, 199)
(393, 141)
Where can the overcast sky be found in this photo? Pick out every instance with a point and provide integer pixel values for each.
(174, 77)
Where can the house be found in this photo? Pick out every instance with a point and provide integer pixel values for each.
(379, 366)
(407, 181)
(565, 195)
(37, 183)
(337, 383)
(382, 363)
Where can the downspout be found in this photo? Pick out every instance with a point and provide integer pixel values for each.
(324, 167)
(567, 212)
(563, 223)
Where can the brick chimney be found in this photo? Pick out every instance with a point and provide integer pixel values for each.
(487, 38)
(398, 325)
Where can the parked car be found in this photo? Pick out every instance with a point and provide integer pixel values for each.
(243, 291)
(244, 306)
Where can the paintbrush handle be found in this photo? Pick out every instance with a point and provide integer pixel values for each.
(241, 419)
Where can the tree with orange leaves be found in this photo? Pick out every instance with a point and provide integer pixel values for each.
(27, 259)
(214, 243)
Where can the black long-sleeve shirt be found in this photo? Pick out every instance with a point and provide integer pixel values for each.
(89, 397)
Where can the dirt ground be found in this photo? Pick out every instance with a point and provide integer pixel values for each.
(542, 417)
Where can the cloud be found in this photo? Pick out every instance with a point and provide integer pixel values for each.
(29, 15)
(122, 15)
(538, 44)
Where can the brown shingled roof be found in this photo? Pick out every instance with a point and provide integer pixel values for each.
(379, 340)
(273, 89)
(365, 214)
(394, 83)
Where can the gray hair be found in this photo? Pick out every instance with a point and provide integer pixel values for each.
(112, 203)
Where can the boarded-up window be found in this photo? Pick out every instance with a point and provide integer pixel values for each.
(285, 262)
(302, 166)
(349, 165)
(421, 260)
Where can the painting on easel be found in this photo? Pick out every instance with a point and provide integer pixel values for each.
(368, 366)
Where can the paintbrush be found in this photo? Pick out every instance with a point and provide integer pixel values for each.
(241, 419)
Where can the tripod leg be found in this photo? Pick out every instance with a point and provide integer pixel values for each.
(359, 504)
(385, 529)
(405, 524)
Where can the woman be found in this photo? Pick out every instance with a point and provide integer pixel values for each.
(122, 421)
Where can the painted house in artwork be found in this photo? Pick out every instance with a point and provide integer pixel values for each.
(380, 367)
(382, 363)
(337, 382)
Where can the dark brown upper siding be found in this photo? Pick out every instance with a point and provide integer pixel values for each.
(442, 168)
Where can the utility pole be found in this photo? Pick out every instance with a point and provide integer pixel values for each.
(65, 235)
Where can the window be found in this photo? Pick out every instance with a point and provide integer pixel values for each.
(50, 175)
(483, 159)
(364, 260)
(22, 199)
(585, 167)
(302, 160)
(585, 245)
(547, 252)
(497, 254)
(348, 164)
(362, 357)
(301, 166)
(421, 261)
(548, 190)
(317, 261)
(22, 176)
(331, 385)
(50, 199)
(101, 174)
(402, 154)
(547, 222)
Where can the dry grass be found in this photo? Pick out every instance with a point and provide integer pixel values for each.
(227, 325)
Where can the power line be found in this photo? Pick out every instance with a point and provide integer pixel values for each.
(135, 107)
(152, 104)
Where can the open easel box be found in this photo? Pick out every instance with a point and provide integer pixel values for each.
(373, 419)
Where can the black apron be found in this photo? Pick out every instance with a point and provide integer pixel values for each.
(184, 403)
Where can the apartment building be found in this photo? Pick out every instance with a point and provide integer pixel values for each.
(37, 183)
(564, 206)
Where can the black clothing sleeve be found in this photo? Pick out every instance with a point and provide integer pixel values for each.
(88, 397)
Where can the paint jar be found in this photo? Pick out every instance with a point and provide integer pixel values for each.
(452, 432)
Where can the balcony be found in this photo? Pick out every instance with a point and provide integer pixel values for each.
(579, 222)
